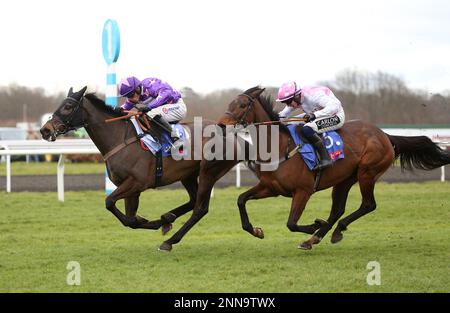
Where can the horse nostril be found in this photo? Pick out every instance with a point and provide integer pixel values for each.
(45, 132)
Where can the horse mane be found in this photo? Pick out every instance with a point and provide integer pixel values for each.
(267, 104)
(100, 104)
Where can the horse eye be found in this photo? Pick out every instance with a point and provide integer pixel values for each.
(243, 105)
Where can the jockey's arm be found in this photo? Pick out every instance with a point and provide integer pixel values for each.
(283, 114)
(330, 105)
(299, 115)
(329, 110)
(127, 105)
(163, 96)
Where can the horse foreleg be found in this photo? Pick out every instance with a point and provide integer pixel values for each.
(299, 200)
(129, 190)
(136, 221)
(339, 196)
(200, 210)
(257, 192)
(191, 185)
(208, 176)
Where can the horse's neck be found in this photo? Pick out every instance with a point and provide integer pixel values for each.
(106, 136)
(276, 143)
(281, 143)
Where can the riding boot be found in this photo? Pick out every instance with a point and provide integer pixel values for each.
(324, 157)
(166, 126)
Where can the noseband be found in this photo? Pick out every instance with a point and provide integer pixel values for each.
(243, 119)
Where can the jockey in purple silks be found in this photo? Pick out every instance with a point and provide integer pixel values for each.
(322, 112)
(156, 98)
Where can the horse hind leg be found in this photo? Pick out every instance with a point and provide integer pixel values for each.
(339, 196)
(368, 204)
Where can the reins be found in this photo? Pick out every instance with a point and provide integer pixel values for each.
(126, 142)
(278, 122)
(123, 117)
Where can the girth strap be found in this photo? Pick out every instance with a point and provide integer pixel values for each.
(286, 157)
(158, 168)
(119, 147)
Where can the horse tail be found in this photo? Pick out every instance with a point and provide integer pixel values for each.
(419, 152)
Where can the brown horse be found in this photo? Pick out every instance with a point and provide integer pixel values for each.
(129, 167)
(369, 152)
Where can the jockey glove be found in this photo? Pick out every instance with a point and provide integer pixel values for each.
(118, 110)
(309, 117)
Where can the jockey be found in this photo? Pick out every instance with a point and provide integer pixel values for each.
(322, 112)
(155, 97)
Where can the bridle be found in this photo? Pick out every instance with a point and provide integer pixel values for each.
(71, 121)
(243, 119)
(243, 122)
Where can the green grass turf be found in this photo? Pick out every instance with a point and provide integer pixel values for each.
(49, 168)
(408, 234)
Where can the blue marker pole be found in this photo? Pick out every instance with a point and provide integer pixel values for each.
(111, 51)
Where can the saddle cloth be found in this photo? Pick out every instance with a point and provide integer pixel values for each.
(333, 143)
(148, 142)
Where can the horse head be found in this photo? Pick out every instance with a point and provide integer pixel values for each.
(241, 111)
(68, 116)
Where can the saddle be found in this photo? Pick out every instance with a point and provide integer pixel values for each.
(332, 140)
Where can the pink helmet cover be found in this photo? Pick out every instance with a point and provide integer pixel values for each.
(287, 91)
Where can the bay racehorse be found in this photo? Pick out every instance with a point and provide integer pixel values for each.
(129, 167)
(368, 151)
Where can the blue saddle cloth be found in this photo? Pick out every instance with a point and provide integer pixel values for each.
(163, 147)
(332, 141)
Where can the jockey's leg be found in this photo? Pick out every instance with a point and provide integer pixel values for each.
(312, 130)
(316, 141)
(165, 126)
(169, 113)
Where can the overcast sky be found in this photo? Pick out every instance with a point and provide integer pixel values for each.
(209, 45)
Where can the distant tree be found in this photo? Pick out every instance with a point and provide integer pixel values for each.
(378, 97)
(383, 98)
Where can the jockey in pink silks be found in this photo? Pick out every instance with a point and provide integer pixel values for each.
(322, 112)
(156, 98)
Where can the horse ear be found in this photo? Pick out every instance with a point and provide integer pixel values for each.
(70, 92)
(258, 92)
(79, 94)
(82, 91)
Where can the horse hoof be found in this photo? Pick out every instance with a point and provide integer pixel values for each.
(258, 232)
(165, 247)
(336, 237)
(166, 228)
(305, 246)
(315, 240)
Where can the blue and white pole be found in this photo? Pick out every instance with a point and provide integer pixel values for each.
(111, 50)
